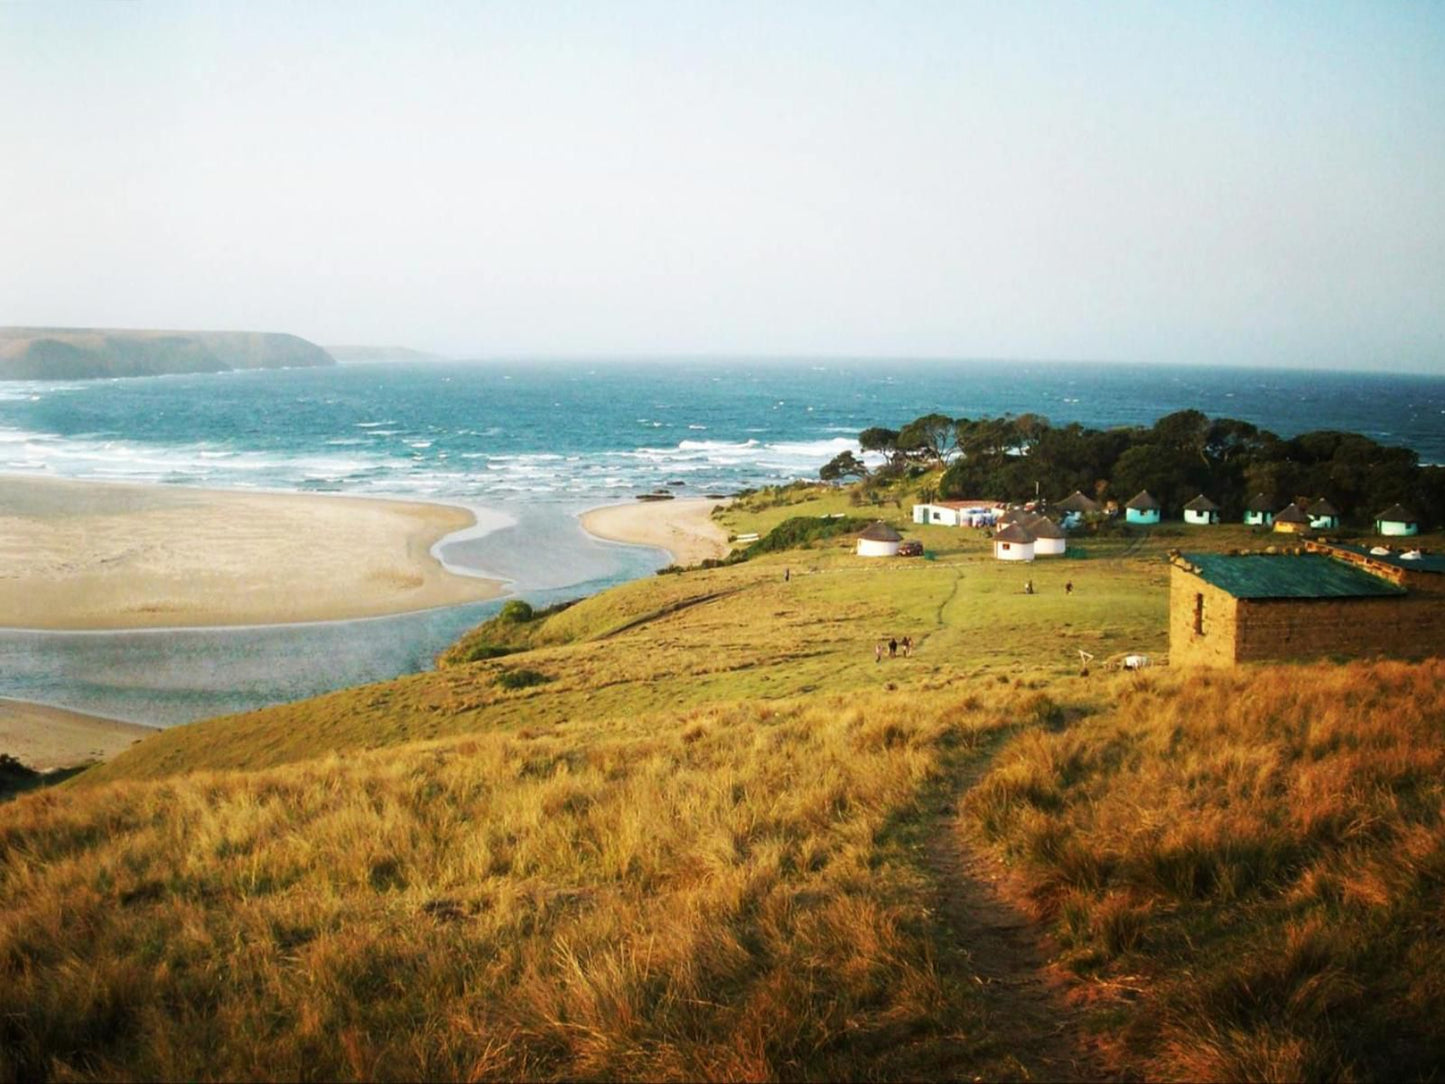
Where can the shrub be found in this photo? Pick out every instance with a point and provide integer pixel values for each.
(482, 652)
(521, 679)
(516, 611)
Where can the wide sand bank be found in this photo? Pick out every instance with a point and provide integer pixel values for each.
(684, 528)
(45, 738)
(100, 555)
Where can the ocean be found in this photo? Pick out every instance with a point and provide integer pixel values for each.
(532, 443)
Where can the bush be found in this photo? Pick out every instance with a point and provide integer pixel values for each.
(482, 652)
(521, 679)
(516, 611)
(800, 531)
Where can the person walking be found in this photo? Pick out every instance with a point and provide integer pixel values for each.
(878, 652)
(892, 648)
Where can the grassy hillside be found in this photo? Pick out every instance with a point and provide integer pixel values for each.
(83, 353)
(726, 894)
(717, 840)
(1258, 855)
(726, 634)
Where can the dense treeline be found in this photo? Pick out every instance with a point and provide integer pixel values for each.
(1181, 455)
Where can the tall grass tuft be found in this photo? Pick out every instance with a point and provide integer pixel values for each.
(1267, 848)
(720, 896)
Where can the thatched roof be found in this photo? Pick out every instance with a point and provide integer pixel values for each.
(1043, 527)
(1077, 502)
(1201, 503)
(1396, 514)
(1323, 507)
(1143, 502)
(1259, 503)
(880, 532)
(1015, 533)
(1291, 513)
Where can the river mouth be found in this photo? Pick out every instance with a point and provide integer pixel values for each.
(167, 677)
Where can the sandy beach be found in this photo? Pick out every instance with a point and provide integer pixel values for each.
(684, 528)
(95, 555)
(45, 738)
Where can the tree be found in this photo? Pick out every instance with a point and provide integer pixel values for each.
(928, 439)
(878, 439)
(843, 465)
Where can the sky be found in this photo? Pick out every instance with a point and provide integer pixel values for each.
(1214, 183)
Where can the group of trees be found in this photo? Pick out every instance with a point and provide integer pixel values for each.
(1181, 455)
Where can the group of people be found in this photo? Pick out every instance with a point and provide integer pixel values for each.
(892, 646)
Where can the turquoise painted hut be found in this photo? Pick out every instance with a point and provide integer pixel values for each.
(1395, 520)
(1259, 512)
(1142, 508)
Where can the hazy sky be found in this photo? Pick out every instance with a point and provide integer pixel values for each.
(1249, 184)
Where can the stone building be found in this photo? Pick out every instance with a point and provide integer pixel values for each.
(1314, 601)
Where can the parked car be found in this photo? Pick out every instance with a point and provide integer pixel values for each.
(910, 548)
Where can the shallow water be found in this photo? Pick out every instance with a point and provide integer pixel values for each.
(169, 676)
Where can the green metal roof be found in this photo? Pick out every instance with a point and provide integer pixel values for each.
(1308, 575)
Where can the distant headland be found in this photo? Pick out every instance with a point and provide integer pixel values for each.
(40, 353)
(346, 354)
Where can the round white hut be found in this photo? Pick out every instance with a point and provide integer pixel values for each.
(1048, 538)
(879, 540)
(1201, 511)
(1013, 543)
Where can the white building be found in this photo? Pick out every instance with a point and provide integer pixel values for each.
(1013, 543)
(978, 513)
(1201, 511)
(1049, 541)
(879, 540)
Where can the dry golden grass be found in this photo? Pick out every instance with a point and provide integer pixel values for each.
(1266, 848)
(697, 851)
(729, 895)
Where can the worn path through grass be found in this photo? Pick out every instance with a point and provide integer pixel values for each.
(1008, 952)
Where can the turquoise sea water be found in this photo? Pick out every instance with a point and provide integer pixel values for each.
(533, 443)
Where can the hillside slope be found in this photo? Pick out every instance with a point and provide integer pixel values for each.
(746, 891)
(691, 829)
(88, 353)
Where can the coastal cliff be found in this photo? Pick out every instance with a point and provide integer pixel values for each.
(29, 353)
